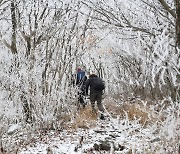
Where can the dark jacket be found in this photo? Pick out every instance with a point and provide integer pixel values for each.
(90, 83)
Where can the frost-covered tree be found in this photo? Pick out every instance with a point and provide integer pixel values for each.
(142, 36)
(132, 45)
(50, 39)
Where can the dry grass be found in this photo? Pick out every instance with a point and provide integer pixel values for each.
(134, 111)
(85, 119)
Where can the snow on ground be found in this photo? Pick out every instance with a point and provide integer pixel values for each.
(124, 136)
(117, 134)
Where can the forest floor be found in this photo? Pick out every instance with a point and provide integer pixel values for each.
(128, 128)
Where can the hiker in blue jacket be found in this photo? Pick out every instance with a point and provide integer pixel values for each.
(97, 86)
(80, 77)
(80, 82)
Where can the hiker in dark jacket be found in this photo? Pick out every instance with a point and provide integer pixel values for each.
(96, 90)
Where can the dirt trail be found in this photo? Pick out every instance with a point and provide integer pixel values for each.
(88, 134)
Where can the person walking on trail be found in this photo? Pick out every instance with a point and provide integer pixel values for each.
(97, 86)
(80, 77)
(80, 82)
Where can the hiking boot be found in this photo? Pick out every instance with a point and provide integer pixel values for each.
(102, 117)
(84, 105)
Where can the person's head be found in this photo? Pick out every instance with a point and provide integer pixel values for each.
(92, 75)
(79, 69)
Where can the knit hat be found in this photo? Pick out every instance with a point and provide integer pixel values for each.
(79, 69)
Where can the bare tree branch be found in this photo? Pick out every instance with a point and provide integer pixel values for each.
(167, 8)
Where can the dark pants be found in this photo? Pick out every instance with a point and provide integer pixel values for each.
(81, 100)
(97, 96)
(81, 94)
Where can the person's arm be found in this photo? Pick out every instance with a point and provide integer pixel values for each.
(87, 84)
(77, 80)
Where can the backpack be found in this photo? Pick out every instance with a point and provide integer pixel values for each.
(98, 84)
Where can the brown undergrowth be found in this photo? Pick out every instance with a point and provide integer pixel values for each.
(134, 111)
(84, 118)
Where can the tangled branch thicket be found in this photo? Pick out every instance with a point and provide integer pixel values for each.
(131, 45)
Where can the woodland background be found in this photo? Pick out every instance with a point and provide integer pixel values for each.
(133, 45)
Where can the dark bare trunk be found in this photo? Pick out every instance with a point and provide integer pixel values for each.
(178, 23)
(14, 27)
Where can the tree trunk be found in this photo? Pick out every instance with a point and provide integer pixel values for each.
(14, 27)
(178, 23)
